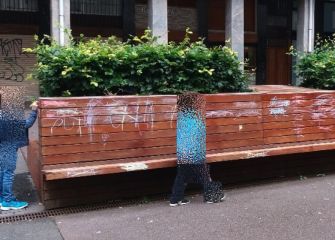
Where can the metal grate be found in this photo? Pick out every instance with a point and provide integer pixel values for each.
(19, 5)
(79, 209)
(97, 7)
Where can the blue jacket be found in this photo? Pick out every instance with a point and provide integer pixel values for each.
(191, 138)
(13, 135)
(16, 131)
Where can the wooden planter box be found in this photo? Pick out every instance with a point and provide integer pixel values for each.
(96, 148)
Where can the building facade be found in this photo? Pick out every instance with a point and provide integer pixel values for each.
(259, 30)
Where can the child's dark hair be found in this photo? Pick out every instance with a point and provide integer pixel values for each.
(191, 101)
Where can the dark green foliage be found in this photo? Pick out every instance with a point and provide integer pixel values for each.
(140, 66)
(317, 69)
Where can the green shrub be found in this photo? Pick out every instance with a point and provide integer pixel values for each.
(140, 66)
(317, 68)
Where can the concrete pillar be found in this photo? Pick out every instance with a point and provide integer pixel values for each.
(60, 20)
(306, 26)
(234, 29)
(158, 19)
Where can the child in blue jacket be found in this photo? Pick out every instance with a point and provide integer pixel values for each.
(191, 151)
(13, 135)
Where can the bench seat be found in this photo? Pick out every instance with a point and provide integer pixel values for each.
(54, 172)
(82, 137)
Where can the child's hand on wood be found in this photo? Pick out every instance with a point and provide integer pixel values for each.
(34, 105)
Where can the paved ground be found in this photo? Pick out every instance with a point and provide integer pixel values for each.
(301, 209)
(24, 189)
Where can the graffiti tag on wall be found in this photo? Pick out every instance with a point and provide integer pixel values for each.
(10, 53)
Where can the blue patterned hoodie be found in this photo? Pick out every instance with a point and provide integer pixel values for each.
(13, 135)
(191, 138)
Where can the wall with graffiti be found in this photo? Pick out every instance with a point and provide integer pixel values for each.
(15, 65)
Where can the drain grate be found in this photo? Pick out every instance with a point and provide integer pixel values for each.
(77, 209)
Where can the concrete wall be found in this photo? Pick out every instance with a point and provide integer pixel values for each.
(178, 18)
(16, 65)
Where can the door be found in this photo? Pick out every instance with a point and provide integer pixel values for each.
(275, 38)
(278, 65)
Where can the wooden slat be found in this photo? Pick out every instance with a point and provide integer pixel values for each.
(60, 129)
(313, 110)
(123, 153)
(154, 142)
(298, 131)
(233, 97)
(106, 111)
(110, 119)
(108, 136)
(170, 162)
(149, 118)
(81, 102)
(223, 145)
(142, 109)
(300, 138)
(276, 97)
(105, 155)
(108, 146)
(233, 105)
(298, 124)
(297, 117)
(115, 128)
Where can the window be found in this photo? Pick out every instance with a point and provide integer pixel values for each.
(19, 5)
(329, 17)
(97, 7)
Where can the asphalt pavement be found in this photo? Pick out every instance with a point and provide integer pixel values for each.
(292, 209)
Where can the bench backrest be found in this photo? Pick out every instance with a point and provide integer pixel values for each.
(123, 129)
(116, 128)
(298, 117)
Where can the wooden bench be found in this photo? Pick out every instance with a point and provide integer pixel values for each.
(90, 136)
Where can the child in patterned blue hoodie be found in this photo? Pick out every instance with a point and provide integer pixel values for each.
(13, 135)
(191, 151)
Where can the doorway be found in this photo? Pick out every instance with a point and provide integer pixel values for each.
(274, 65)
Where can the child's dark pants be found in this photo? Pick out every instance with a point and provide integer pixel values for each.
(190, 173)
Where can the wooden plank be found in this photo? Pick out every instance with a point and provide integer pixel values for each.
(33, 162)
(277, 97)
(105, 101)
(234, 121)
(297, 117)
(79, 102)
(139, 152)
(275, 111)
(107, 136)
(110, 128)
(233, 105)
(233, 97)
(299, 138)
(233, 113)
(108, 146)
(105, 155)
(170, 162)
(155, 142)
(129, 154)
(149, 118)
(64, 128)
(106, 111)
(110, 119)
(222, 145)
(299, 103)
(298, 124)
(234, 136)
(298, 131)
(266, 152)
